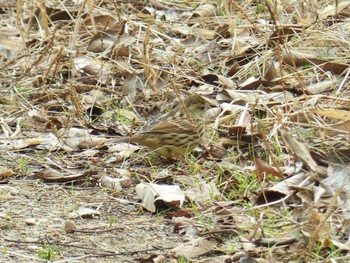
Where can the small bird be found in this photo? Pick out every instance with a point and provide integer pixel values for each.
(178, 132)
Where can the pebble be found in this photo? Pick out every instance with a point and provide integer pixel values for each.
(30, 221)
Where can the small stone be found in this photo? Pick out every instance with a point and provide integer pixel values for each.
(30, 221)
(3, 215)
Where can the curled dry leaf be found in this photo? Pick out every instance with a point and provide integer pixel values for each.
(219, 80)
(121, 151)
(111, 183)
(281, 190)
(206, 10)
(101, 41)
(101, 23)
(51, 175)
(84, 212)
(154, 194)
(77, 139)
(117, 183)
(321, 86)
(296, 58)
(100, 69)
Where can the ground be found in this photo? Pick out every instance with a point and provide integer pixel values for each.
(269, 180)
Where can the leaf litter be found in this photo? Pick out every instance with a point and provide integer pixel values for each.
(270, 180)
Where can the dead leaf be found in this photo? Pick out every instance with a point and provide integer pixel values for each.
(281, 189)
(195, 248)
(203, 192)
(302, 151)
(51, 175)
(206, 10)
(120, 152)
(333, 9)
(154, 194)
(263, 170)
(84, 212)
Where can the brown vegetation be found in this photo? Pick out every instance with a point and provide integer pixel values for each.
(270, 180)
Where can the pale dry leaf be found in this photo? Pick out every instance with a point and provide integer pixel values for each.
(117, 183)
(76, 138)
(132, 85)
(126, 114)
(101, 42)
(248, 245)
(340, 245)
(205, 10)
(317, 192)
(195, 248)
(84, 212)
(179, 30)
(302, 151)
(87, 153)
(111, 183)
(51, 142)
(203, 191)
(296, 58)
(101, 69)
(251, 83)
(121, 151)
(166, 194)
(321, 86)
(101, 23)
(11, 145)
(92, 98)
(219, 80)
(333, 9)
(205, 33)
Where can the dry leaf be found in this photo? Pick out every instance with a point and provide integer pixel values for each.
(195, 248)
(51, 175)
(84, 212)
(206, 10)
(263, 170)
(154, 194)
(302, 151)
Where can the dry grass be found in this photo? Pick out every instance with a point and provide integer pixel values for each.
(271, 176)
